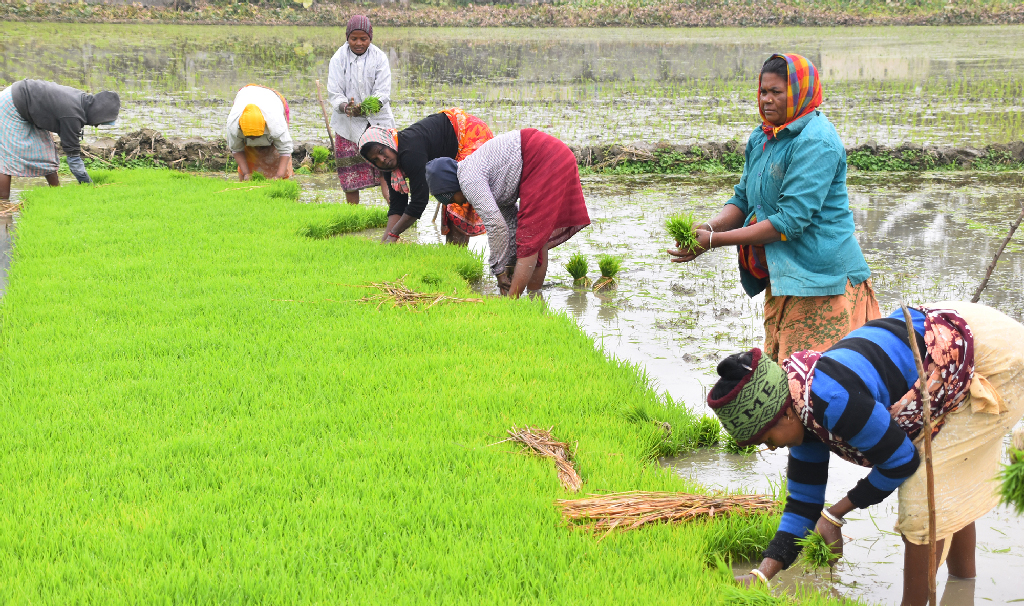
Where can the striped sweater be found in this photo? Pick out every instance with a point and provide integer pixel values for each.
(855, 383)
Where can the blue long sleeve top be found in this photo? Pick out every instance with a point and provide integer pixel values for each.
(854, 384)
(798, 182)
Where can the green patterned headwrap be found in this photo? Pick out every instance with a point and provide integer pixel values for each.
(755, 404)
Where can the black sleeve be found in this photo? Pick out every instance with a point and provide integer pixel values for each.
(71, 136)
(399, 201)
(416, 173)
(783, 548)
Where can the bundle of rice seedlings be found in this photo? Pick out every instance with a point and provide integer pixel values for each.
(1011, 482)
(609, 266)
(284, 188)
(578, 268)
(816, 552)
(370, 105)
(257, 177)
(399, 295)
(541, 442)
(320, 156)
(730, 445)
(680, 227)
(706, 432)
(630, 510)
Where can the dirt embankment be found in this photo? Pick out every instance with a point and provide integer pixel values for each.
(668, 13)
(148, 147)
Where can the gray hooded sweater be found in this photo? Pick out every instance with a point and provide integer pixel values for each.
(63, 110)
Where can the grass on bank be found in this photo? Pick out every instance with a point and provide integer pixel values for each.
(196, 410)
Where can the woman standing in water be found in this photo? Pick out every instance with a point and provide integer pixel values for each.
(790, 218)
(357, 71)
(404, 154)
(530, 166)
(861, 400)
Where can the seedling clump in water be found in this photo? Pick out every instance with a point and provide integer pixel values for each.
(816, 553)
(609, 267)
(1011, 482)
(578, 268)
(680, 227)
(370, 105)
(731, 446)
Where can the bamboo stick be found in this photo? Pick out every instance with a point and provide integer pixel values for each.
(992, 265)
(926, 414)
(327, 123)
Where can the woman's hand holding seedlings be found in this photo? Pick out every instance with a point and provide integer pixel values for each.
(352, 109)
(682, 255)
(769, 568)
(504, 283)
(832, 534)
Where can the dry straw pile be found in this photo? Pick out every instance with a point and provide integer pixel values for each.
(541, 442)
(630, 510)
(400, 295)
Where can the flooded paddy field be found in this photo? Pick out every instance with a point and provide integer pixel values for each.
(941, 85)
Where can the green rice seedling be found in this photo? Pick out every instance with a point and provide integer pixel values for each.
(370, 105)
(284, 188)
(346, 220)
(738, 538)
(257, 177)
(1011, 482)
(755, 595)
(666, 427)
(815, 552)
(609, 266)
(320, 155)
(680, 227)
(101, 177)
(578, 268)
(471, 270)
(730, 445)
(706, 432)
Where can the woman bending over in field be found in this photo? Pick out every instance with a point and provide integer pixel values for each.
(404, 155)
(861, 400)
(539, 171)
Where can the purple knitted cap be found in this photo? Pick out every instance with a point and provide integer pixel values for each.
(359, 22)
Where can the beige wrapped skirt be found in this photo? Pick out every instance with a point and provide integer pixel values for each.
(966, 454)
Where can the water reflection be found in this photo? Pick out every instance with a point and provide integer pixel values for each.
(938, 85)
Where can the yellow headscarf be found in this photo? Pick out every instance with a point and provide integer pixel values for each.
(251, 121)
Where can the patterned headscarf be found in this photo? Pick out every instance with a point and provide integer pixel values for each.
(803, 92)
(388, 137)
(756, 403)
(359, 23)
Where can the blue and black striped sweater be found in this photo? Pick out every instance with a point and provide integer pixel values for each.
(855, 383)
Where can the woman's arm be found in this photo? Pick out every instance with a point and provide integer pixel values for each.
(727, 233)
(478, 193)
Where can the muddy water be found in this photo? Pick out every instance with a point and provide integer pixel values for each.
(949, 85)
(926, 238)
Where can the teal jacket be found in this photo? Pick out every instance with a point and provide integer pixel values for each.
(798, 182)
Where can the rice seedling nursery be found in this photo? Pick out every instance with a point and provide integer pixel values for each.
(230, 391)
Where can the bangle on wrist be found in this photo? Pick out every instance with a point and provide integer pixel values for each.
(711, 228)
(835, 521)
(757, 573)
(711, 236)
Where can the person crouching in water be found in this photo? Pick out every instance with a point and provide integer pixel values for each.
(257, 133)
(538, 170)
(357, 71)
(29, 111)
(865, 389)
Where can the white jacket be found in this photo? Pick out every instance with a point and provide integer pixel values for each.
(276, 132)
(352, 76)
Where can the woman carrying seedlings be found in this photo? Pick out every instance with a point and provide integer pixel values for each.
(404, 154)
(358, 81)
(29, 111)
(791, 221)
(860, 400)
(538, 170)
(257, 133)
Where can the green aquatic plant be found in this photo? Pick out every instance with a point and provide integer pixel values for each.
(1011, 482)
(370, 105)
(578, 268)
(680, 227)
(815, 552)
(609, 266)
(731, 446)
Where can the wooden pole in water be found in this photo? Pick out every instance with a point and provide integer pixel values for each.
(992, 266)
(327, 123)
(926, 415)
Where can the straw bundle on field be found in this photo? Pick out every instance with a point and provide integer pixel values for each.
(9, 208)
(541, 442)
(400, 295)
(629, 510)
